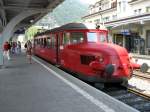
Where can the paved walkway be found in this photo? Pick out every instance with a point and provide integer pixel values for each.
(41, 87)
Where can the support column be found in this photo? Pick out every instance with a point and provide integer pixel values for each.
(1, 51)
(8, 30)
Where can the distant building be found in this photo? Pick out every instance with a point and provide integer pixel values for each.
(128, 22)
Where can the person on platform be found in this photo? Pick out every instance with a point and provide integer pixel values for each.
(19, 47)
(29, 50)
(6, 48)
(14, 46)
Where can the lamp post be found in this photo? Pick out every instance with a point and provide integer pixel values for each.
(101, 18)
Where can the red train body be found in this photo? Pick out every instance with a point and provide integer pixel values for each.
(84, 50)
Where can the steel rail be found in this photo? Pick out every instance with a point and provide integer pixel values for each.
(135, 91)
(141, 75)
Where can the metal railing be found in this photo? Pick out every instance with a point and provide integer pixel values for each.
(141, 51)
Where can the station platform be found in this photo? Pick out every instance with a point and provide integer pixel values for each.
(42, 87)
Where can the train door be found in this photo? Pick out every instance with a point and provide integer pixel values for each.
(64, 41)
(53, 47)
(58, 48)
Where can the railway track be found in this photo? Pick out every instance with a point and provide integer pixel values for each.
(139, 74)
(140, 79)
(129, 97)
(138, 92)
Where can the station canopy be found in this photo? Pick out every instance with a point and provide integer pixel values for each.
(11, 8)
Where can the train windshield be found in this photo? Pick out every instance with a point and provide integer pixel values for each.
(77, 37)
(102, 37)
(73, 37)
(92, 37)
(96, 37)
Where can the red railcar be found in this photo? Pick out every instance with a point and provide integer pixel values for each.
(83, 49)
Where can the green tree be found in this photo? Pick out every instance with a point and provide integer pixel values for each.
(30, 32)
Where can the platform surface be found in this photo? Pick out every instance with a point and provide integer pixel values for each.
(41, 87)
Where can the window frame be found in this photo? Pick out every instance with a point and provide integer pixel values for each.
(70, 37)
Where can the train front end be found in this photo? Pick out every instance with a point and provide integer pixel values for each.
(112, 64)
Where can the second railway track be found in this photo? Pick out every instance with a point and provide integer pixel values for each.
(139, 74)
(129, 97)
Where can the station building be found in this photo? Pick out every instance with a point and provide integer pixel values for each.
(128, 22)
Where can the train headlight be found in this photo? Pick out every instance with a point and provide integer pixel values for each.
(101, 59)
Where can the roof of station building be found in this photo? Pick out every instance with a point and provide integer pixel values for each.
(11, 8)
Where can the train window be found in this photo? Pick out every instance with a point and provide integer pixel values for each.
(38, 41)
(77, 37)
(41, 42)
(102, 37)
(92, 37)
(86, 60)
(53, 41)
(66, 38)
(44, 42)
(49, 42)
(35, 42)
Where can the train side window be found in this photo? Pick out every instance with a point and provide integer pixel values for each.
(77, 37)
(92, 37)
(49, 42)
(53, 41)
(35, 41)
(38, 41)
(41, 42)
(66, 38)
(102, 37)
(44, 42)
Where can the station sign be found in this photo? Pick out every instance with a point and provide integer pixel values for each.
(125, 31)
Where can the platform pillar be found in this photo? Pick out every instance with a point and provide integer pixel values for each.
(9, 28)
(1, 51)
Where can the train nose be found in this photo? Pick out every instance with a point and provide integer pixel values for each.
(109, 69)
